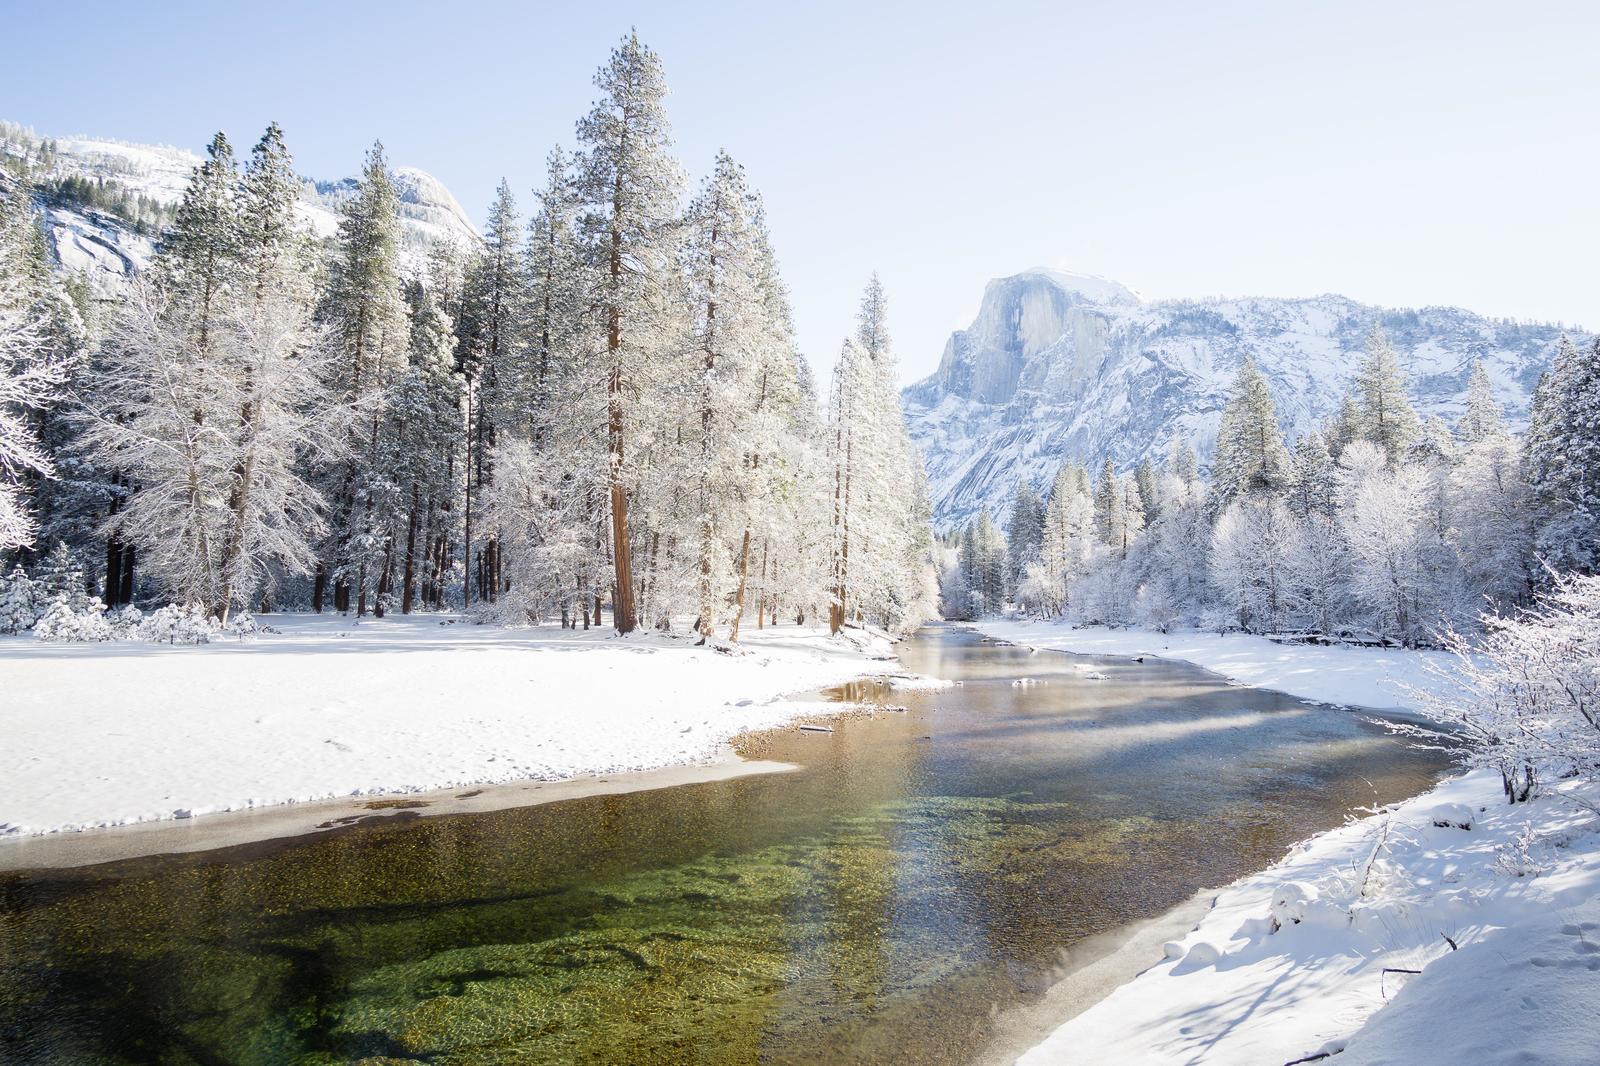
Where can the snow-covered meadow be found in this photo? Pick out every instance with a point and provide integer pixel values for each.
(1496, 907)
(114, 733)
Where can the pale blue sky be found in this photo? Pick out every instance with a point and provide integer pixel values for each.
(1401, 153)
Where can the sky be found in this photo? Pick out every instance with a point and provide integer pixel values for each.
(1399, 153)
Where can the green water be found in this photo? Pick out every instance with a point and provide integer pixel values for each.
(921, 872)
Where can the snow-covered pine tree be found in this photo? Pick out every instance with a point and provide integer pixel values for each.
(555, 291)
(878, 554)
(1184, 463)
(59, 576)
(1149, 484)
(1311, 479)
(431, 439)
(1482, 419)
(629, 187)
(159, 417)
(1253, 551)
(1563, 450)
(1495, 516)
(722, 266)
(197, 260)
(1383, 516)
(21, 601)
(28, 382)
(271, 246)
(1024, 535)
(1384, 414)
(490, 350)
(366, 318)
(1250, 459)
(1343, 426)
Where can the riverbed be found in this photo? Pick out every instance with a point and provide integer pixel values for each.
(924, 875)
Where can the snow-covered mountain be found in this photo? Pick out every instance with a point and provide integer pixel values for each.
(1060, 365)
(107, 248)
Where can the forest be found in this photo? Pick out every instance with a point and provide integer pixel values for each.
(597, 412)
(1380, 528)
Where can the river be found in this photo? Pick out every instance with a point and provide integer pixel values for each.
(921, 873)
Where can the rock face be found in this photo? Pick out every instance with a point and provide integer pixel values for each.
(1057, 366)
(106, 250)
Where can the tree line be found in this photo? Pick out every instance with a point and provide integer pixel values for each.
(1381, 526)
(600, 410)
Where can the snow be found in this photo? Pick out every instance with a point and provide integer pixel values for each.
(1346, 676)
(1092, 286)
(1301, 959)
(111, 734)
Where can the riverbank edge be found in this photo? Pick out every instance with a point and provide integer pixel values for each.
(1154, 949)
(327, 711)
(288, 821)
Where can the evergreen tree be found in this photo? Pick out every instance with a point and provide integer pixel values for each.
(21, 601)
(1563, 449)
(1482, 418)
(197, 260)
(1311, 481)
(629, 186)
(366, 320)
(1384, 415)
(1025, 535)
(1250, 459)
(1144, 476)
(1343, 427)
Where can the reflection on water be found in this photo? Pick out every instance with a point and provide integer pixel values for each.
(921, 871)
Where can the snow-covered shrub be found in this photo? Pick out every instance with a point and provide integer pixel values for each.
(244, 625)
(179, 625)
(125, 621)
(1526, 696)
(21, 601)
(64, 624)
(60, 574)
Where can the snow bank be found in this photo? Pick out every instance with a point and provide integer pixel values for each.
(111, 734)
(1296, 962)
(1355, 677)
(1293, 961)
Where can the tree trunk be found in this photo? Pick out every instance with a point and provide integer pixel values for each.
(738, 598)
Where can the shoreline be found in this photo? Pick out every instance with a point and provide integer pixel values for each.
(288, 821)
(1105, 962)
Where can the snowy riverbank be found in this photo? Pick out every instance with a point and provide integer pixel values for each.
(1310, 960)
(1353, 677)
(112, 734)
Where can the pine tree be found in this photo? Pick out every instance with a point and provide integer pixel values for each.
(29, 379)
(1384, 414)
(1482, 418)
(872, 326)
(1343, 427)
(489, 348)
(1144, 476)
(21, 601)
(269, 242)
(366, 320)
(629, 186)
(1563, 449)
(59, 576)
(1025, 535)
(1250, 459)
(1311, 481)
(197, 260)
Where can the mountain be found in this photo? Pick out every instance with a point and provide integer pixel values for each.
(105, 202)
(1059, 365)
